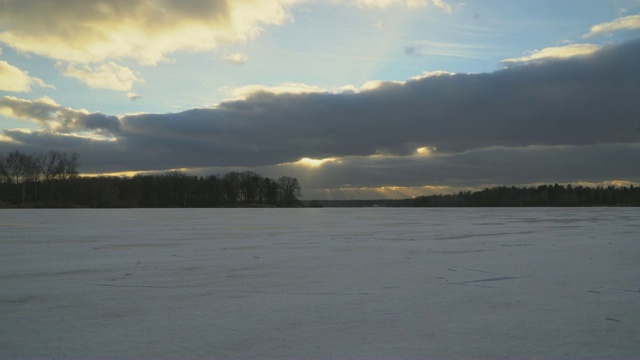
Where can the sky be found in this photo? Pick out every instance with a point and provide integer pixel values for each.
(358, 99)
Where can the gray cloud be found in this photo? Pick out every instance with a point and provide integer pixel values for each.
(53, 117)
(411, 50)
(41, 110)
(553, 120)
(96, 122)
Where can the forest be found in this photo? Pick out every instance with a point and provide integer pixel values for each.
(52, 180)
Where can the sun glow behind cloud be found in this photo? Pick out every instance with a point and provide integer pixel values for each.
(313, 163)
(425, 151)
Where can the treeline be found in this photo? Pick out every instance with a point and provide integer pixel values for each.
(52, 180)
(544, 195)
(503, 196)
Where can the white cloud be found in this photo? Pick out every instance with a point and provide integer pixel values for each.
(631, 22)
(427, 74)
(382, 4)
(442, 5)
(376, 3)
(236, 58)
(83, 31)
(376, 84)
(109, 75)
(246, 91)
(16, 80)
(559, 52)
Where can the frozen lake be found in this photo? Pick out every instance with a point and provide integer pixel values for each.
(376, 283)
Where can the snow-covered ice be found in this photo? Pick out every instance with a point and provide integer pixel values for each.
(378, 283)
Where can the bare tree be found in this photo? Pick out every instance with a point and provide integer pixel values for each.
(249, 187)
(4, 174)
(70, 166)
(20, 169)
(288, 191)
(50, 164)
(56, 167)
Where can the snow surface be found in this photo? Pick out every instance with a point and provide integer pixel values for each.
(377, 283)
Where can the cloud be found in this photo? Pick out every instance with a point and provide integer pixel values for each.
(109, 75)
(16, 80)
(40, 110)
(473, 168)
(631, 22)
(80, 31)
(559, 52)
(54, 118)
(236, 58)
(564, 119)
(382, 4)
(441, 4)
(311, 163)
(246, 91)
(449, 49)
(427, 74)
(411, 50)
